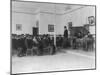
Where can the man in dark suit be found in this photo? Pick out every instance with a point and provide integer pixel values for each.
(65, 32)
(64, 44)
(21, 45)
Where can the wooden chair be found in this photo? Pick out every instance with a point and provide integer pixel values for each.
(29, 50)
(48, 50)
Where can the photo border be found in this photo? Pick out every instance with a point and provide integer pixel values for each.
(50, 71)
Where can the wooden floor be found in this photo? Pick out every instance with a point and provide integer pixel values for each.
(65, 60)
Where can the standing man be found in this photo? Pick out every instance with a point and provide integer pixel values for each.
(65, 32)
(64, 44)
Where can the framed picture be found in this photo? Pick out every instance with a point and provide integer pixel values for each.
(50, 28)
(18, 27)
(69, 25)
(91, 20)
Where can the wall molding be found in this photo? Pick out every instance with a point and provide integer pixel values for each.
(48, 12)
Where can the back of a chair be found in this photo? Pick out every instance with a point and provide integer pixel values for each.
(28, 43)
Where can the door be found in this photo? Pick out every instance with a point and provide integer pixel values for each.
(35, 31)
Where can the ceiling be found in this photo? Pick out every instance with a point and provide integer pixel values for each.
(35, 7)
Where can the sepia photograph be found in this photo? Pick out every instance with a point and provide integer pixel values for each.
(52, 37)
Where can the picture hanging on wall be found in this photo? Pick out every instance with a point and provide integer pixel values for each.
(69, 25)
(50, 28)
(91, 20)
(18, 27)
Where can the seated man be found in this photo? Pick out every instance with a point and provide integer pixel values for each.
(79, 35)
(49, 45)
(78, 39)
(29, 43)
(21, 45)
(91, 42)
(60, 41)
(13, 43)
(88, 42)
(37, 45)
(43, 44)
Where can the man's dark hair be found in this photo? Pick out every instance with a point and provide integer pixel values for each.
(65, 27)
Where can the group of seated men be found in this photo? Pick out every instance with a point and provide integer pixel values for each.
(37, 44)
(83, 41)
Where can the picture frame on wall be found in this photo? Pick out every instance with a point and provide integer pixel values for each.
(18, 27)
(50, 28)
(91, 20)
(69, 25)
